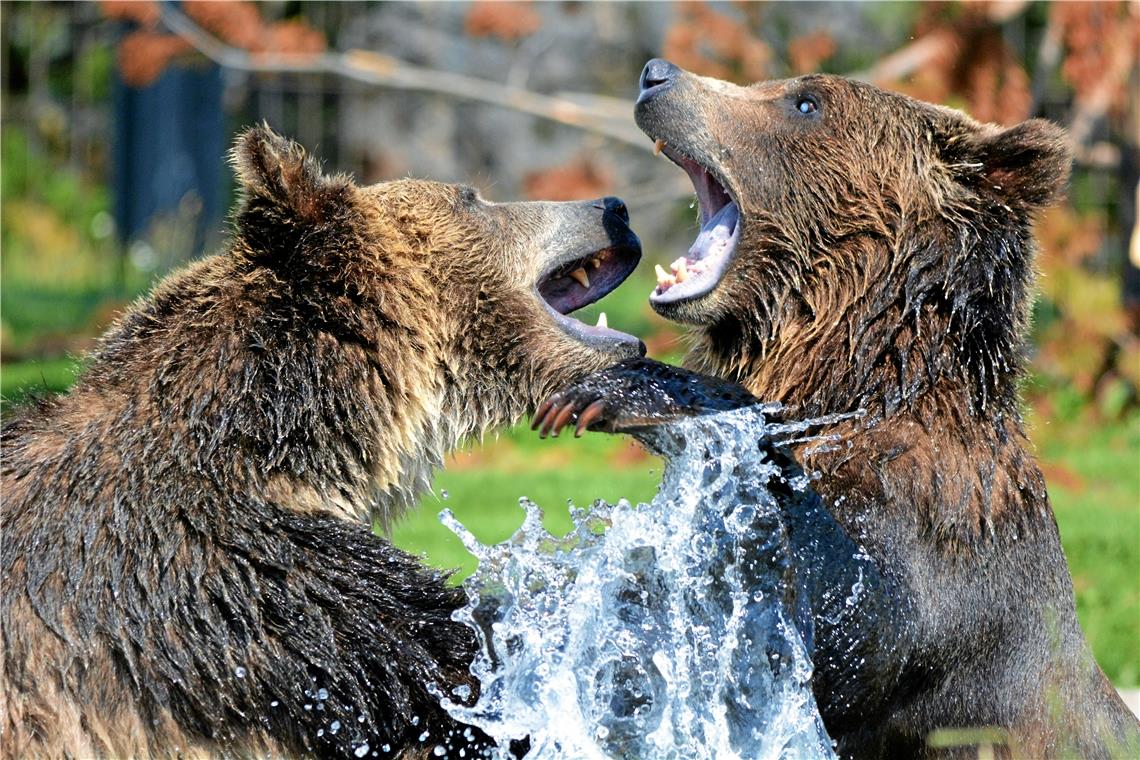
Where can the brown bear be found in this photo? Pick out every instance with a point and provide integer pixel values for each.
(188, 567)
(864, 252)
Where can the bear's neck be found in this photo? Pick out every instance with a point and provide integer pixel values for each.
(928, 351)
(949, 323)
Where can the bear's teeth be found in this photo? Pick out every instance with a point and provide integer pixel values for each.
(664, 279)
(596, 262)
(680, 269)
(657, 146)
(602, 319)
(581, 276)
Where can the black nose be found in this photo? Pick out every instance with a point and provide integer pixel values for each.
(614, 205)
(656, 73)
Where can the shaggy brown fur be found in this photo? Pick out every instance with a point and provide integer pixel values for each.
(185, 566)
(884, 265)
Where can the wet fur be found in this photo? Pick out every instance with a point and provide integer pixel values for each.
(886, 265)
(187, 554)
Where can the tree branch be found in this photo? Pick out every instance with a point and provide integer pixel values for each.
(906, 60)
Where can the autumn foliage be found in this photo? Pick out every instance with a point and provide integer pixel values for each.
(145, 52)
(1101, 41)
(507, 20)
(578, 178)
(715, 44)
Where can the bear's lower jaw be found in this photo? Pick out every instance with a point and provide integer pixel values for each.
(578, 281)
(599, 337)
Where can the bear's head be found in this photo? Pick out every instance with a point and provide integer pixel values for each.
(401, 317)
(481, 289)
(866, 229)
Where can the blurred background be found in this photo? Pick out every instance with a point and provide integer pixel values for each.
(116, 117)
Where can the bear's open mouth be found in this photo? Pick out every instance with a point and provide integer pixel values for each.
(578, 282)
(696, 273)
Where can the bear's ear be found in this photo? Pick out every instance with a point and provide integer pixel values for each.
(277, 170)
(1027, 164)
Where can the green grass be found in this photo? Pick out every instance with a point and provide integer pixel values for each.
(1092, 470)
(486, 500)
(18, 380)
(31, 311)
(1093, 474)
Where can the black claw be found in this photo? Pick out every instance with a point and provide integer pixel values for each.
(562, 418)
(540, 413)
(591, 413)
(548, 421)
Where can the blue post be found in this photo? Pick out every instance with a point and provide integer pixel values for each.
(169, 142)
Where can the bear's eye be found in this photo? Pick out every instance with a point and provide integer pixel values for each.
(806, 104)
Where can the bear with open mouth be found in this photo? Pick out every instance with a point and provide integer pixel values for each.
(189, 567)
(863, 252)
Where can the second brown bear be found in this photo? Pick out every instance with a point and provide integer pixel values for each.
(861, 251)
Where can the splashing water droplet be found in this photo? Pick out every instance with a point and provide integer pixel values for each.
(240, 672)
(661, 630)
(362, 750)
(443, 494)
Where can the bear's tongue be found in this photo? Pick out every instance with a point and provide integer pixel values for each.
(699, 272)
(716, 234)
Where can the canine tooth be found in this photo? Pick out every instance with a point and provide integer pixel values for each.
(596, 262)
(602, 319)
(581, 276)
(657, 146)
(662, 275)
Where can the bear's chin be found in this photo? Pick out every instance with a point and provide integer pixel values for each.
(697, 311)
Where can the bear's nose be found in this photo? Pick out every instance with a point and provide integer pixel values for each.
(614, 205)
(657, 72)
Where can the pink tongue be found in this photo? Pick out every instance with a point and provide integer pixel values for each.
(716, 234)
(708, 252)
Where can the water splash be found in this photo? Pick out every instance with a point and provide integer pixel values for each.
(664, 630)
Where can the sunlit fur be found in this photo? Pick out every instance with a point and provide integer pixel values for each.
(886, 266)
(200, 502)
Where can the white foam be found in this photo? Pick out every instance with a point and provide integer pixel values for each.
(657, 631)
